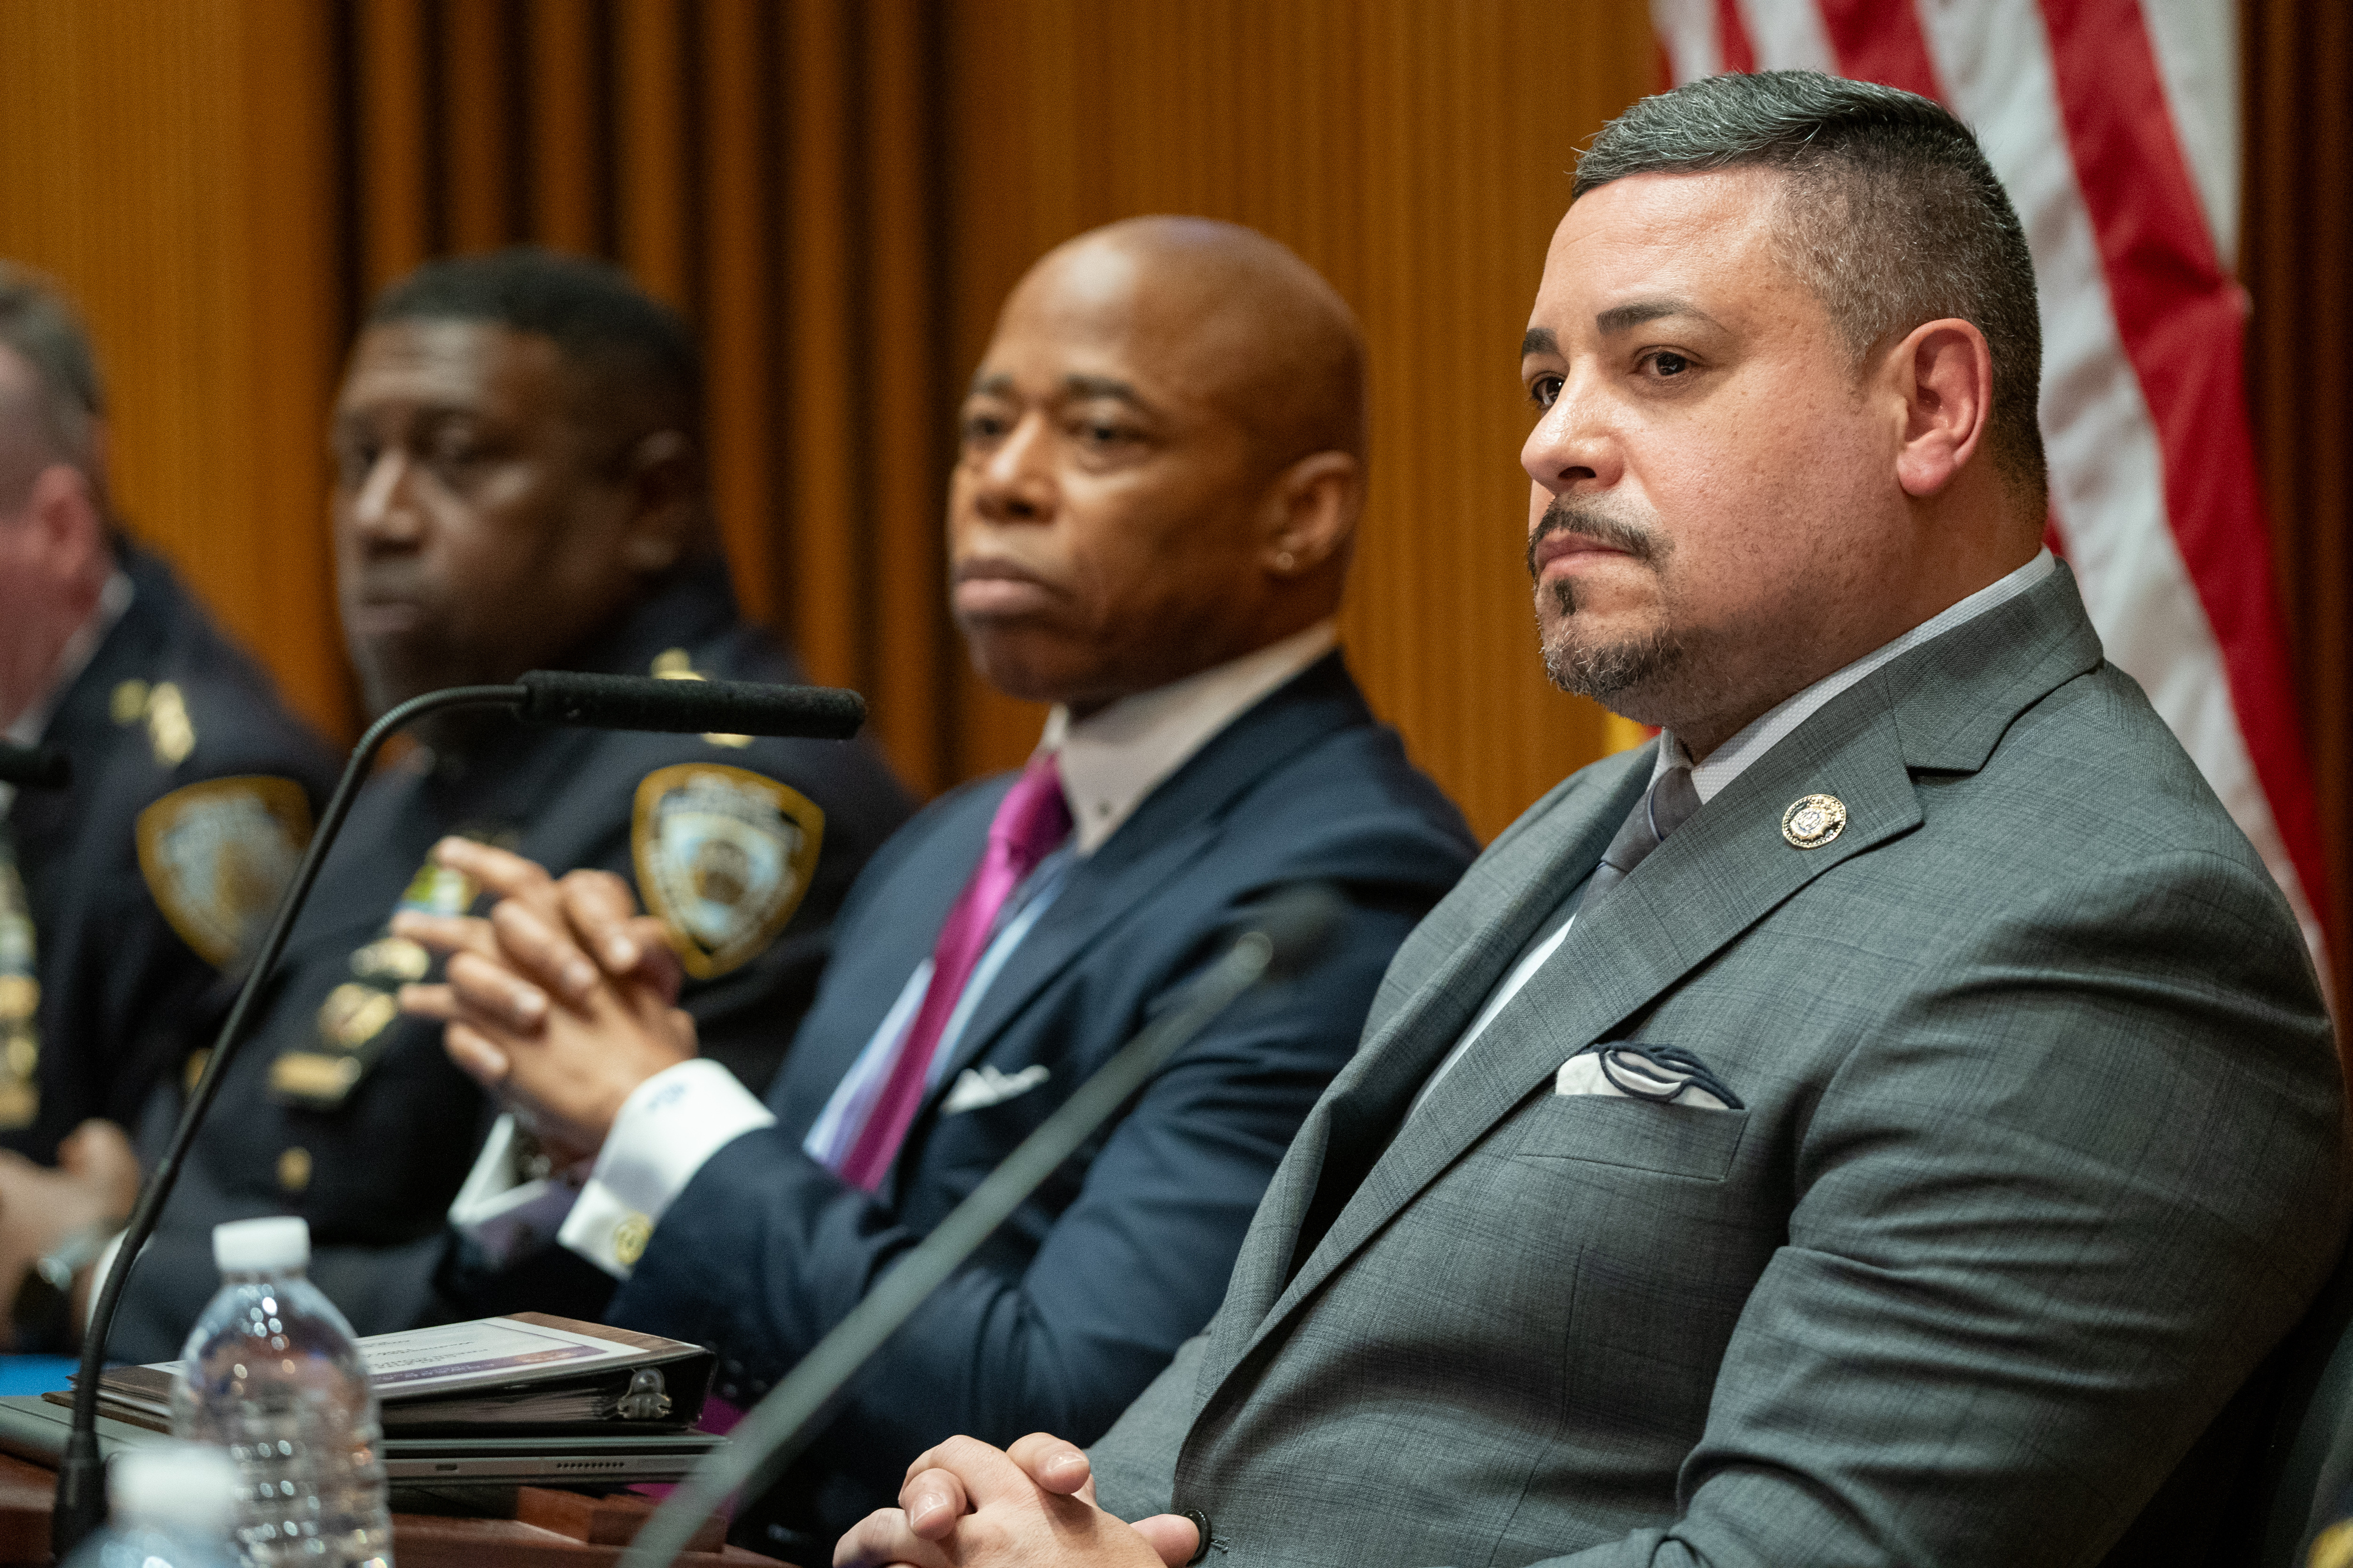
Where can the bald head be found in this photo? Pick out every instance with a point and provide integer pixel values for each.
(1239, 316)
(1163, 461)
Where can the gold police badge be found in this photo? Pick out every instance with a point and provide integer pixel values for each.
(723, 855)
(218, 854)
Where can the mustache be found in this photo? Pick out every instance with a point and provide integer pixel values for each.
(1642, 543)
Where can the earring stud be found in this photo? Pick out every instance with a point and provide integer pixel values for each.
(1285, 561)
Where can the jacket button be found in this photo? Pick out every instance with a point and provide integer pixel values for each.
(294, 1170)
(1200, 1522)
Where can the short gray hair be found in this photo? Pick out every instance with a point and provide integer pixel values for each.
(38, 325)
(1894, 217)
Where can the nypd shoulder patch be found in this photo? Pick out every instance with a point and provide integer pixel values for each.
(723, 855)
(218, 854)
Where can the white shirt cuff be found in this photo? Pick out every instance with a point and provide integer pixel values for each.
(667, 1129)
(501, 1214)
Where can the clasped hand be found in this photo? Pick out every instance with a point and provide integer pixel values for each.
(968, 1505)
(559, 1003)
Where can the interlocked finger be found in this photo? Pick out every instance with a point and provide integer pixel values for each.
(476, 1056)
(499, 871)
(502, 998)
(447, 933)
(534, 943)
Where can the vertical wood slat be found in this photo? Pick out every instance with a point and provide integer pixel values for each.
(906, 391)
(649, 57)
(820, 501)
(395, 139)
(566, 147)
(737, 330)
(477, 79)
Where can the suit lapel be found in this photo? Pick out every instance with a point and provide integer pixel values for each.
(1095, 898)
(1477, 929)
(1175, 823)
(1722, 872)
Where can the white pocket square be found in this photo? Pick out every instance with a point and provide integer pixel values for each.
(977, 1089)
(1667, 1074)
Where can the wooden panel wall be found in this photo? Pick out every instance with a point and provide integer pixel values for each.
(171, 162)
(838, 192)
(2298, 269)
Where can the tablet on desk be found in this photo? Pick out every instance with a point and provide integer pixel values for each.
(32, 1429)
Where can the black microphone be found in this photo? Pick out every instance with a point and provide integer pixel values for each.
(691, 706)
(35, 767)
(1284, 937)
(547, 697)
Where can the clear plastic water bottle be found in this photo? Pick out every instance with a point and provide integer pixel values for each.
(270, 1374)
(168, 1506)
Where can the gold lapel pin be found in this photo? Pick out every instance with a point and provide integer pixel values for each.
(1813, 820)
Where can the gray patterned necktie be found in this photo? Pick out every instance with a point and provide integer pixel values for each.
(1666, 805)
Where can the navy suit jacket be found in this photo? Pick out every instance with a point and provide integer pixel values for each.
(1081, 1298)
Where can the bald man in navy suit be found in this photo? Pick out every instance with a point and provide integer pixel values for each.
(1163, 462)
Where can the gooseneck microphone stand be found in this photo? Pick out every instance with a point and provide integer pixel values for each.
(550, 697)
(81, 1491)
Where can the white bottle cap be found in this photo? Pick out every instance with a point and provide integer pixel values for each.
(186, 1486)
(269, 1246)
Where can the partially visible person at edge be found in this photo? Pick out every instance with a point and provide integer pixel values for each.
(519, 484)
(129, 899)
(1884, 1121)
(1150, 525)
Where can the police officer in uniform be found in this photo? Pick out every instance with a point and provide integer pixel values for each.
(127, 900)
(519, 486)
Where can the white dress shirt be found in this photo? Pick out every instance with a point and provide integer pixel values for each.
(1735, 757)
(672, 1123)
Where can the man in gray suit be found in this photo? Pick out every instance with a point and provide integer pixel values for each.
(1883, 1122)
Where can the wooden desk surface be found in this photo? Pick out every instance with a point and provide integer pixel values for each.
(418, 1541)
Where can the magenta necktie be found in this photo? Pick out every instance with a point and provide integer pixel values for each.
(1031, 821)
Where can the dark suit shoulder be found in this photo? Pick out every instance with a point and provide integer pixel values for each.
(1309, 773)
(1353, 807)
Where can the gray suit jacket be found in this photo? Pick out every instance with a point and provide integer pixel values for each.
(2040, 1154)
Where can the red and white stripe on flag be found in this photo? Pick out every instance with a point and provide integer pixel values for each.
(2115, 126)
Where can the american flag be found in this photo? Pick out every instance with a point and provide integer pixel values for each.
(2116, 125)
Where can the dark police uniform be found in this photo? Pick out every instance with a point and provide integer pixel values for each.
(143, 883)
(343, 1112)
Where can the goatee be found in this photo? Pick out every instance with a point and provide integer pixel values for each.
(1605, 672)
